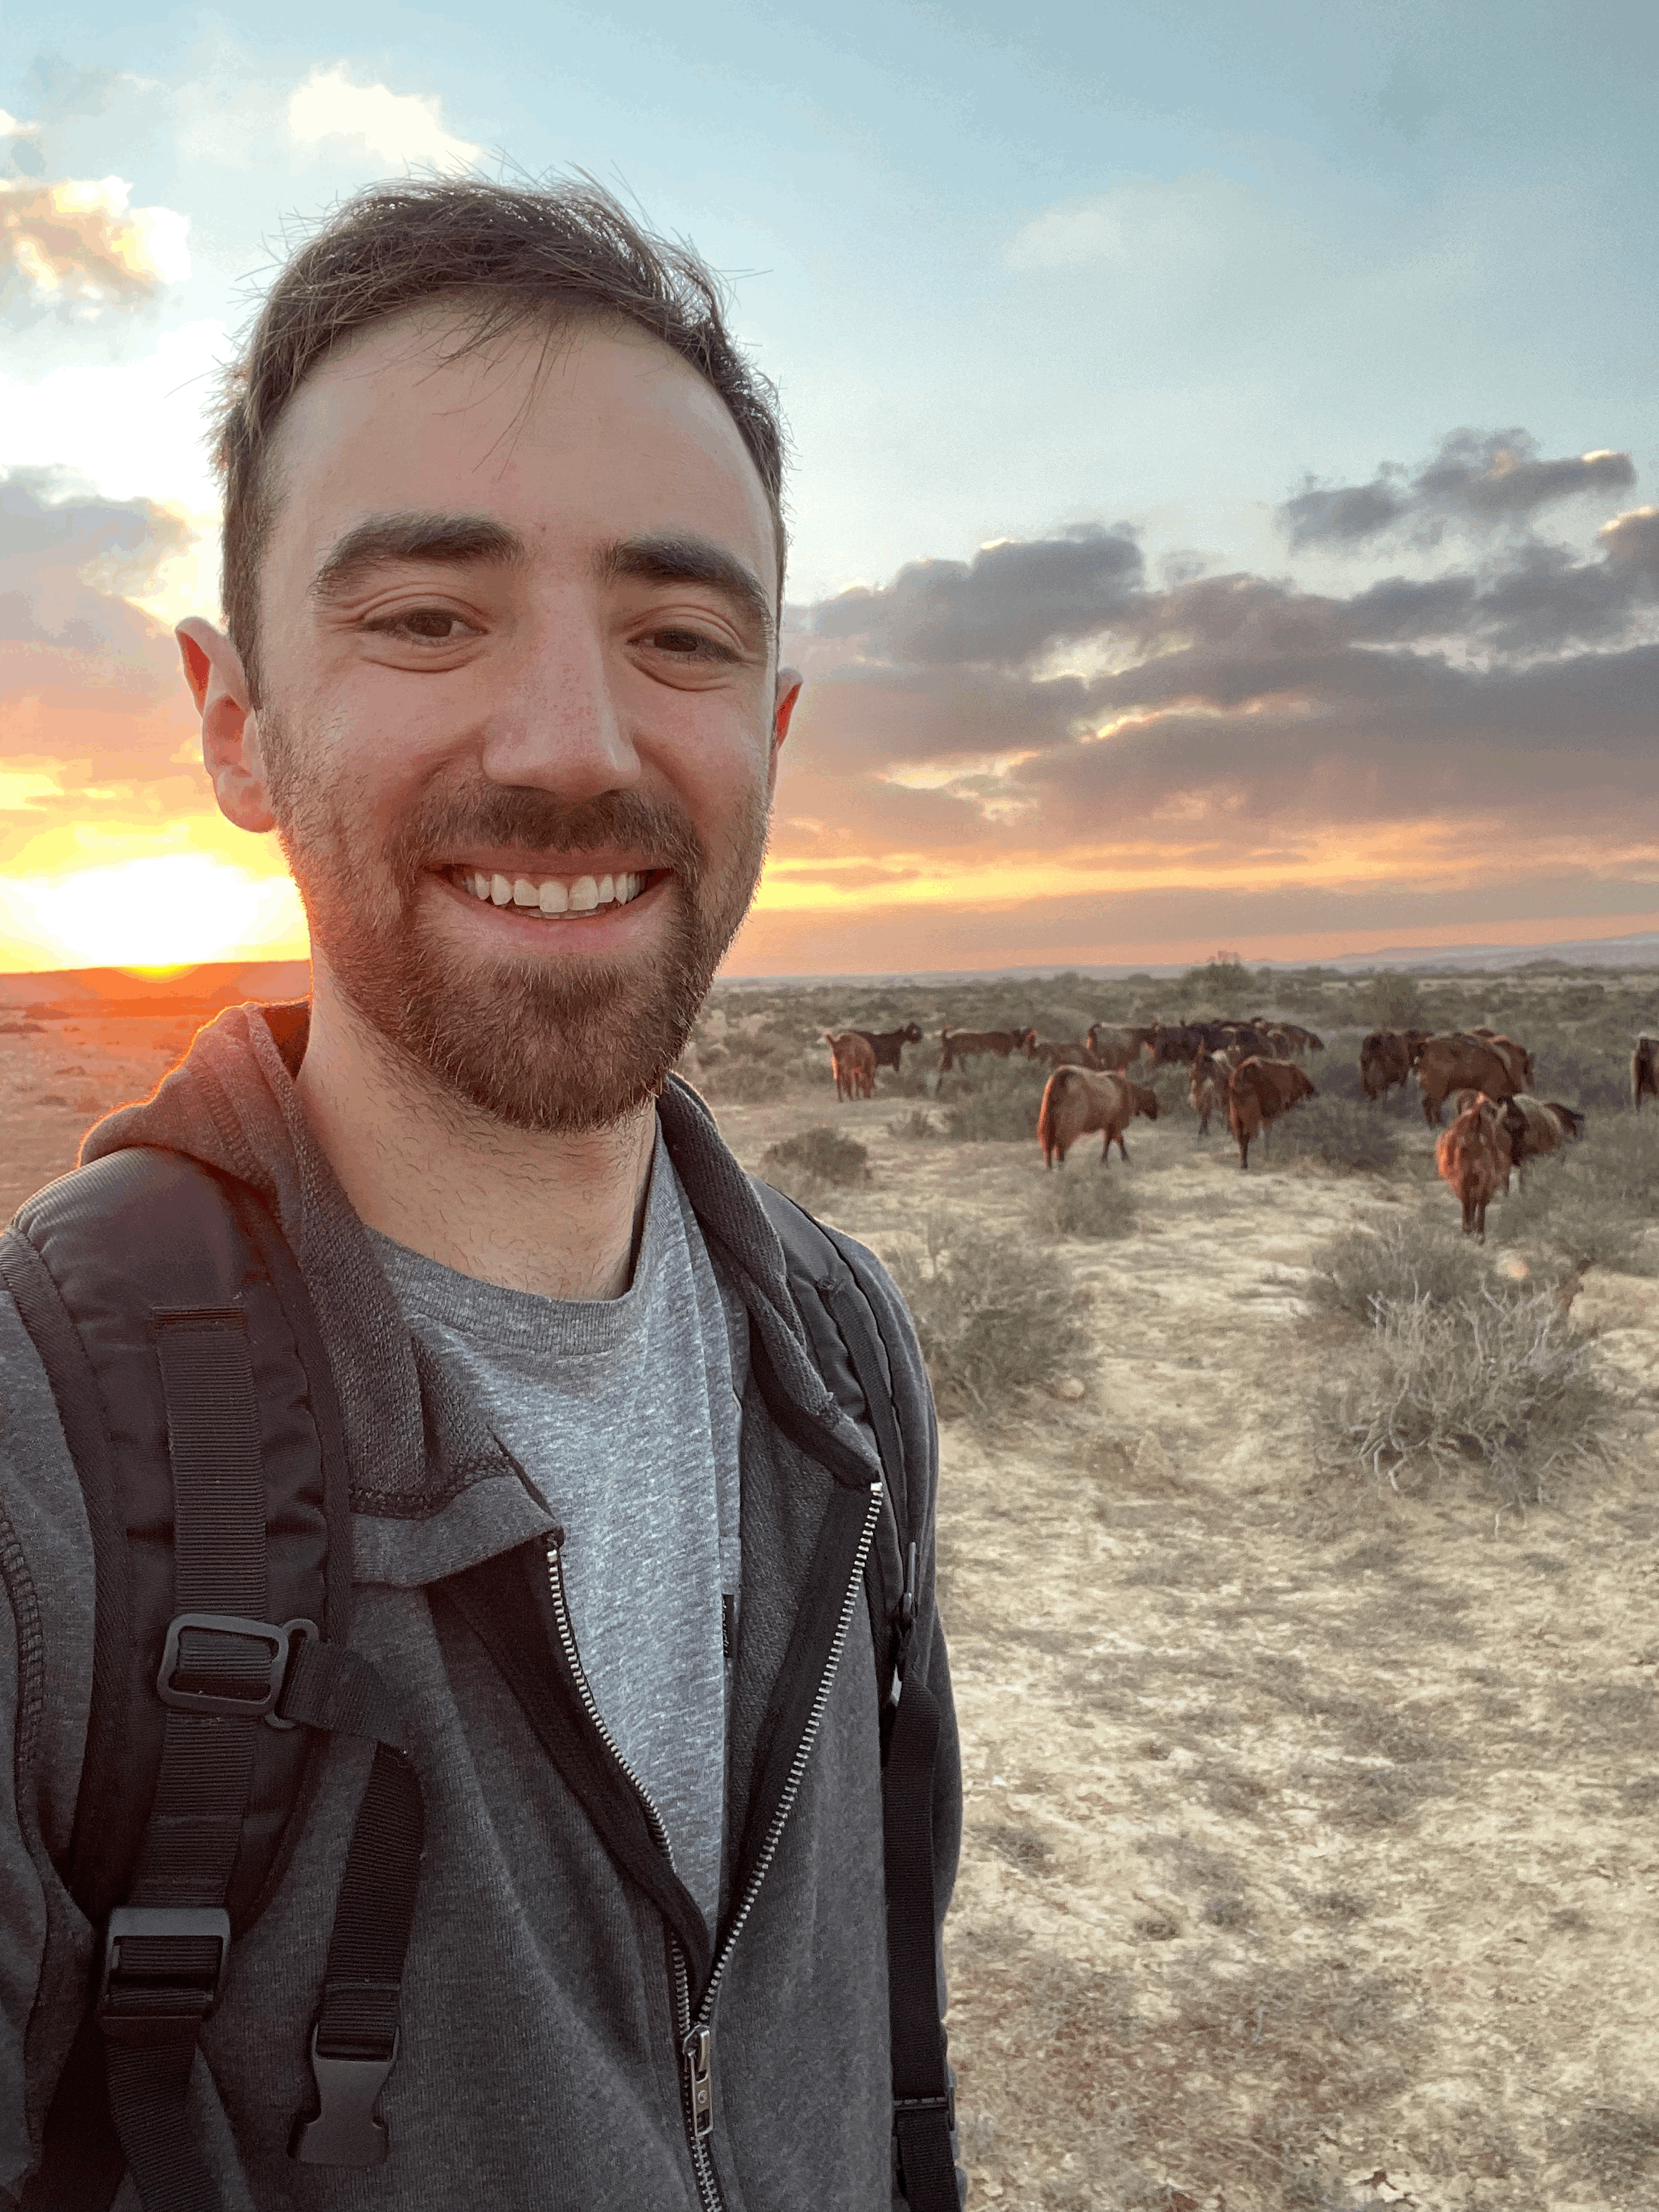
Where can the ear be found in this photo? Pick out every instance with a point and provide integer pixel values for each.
(230, 727)
(789, 682)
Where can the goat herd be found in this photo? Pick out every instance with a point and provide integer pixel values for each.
(1249, 1070)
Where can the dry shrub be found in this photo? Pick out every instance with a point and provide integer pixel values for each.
(1355, 1273)
(1090, 1208)
(1000, 1104)
(740, 1082)
(915, 1126)
(1337, 1132)
(993, 1317)
(1493, 1381)
(813, 1162)
(1591, 1202)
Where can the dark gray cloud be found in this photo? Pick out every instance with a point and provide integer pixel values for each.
(1227, 712)
(1477, 480)
(1006, 605)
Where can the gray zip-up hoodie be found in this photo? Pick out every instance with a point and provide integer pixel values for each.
(547, 1987)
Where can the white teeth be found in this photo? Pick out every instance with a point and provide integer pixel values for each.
(552, 897)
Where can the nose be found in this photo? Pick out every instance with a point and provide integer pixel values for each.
(558, 724)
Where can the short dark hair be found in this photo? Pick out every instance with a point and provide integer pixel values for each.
(506, 256)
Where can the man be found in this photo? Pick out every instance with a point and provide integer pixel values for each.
(503, 552)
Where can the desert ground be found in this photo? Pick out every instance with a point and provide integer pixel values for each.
(1310, 1858)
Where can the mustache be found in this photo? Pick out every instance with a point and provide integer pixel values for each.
(518, 814)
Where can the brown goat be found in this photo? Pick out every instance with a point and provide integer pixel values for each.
(1644, 1074)
(1515, 1057)
(853, 1061)
(888, 1044)
(1116, 1047)
(1474, 1156)
(1076, 1100)
(1460, 1062)
(1385, 1059)
(963, 1044)
(1258, 1091)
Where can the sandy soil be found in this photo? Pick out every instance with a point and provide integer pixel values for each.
(1310, 1856)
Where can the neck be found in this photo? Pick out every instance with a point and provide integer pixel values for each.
(530, 1209)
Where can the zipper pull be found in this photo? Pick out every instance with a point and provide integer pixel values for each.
(700, 2080)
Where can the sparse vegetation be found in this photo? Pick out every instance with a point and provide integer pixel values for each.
(915, 1127)
(1487, 1381)
(1337, 1132)
(1082, 1203)
(1359, 1274)
(814, 1162)
(1593, 1203)
(993, 1316)
(998, 1103)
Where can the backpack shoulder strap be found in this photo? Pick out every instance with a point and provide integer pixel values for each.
(851, 1357)
(842, 1321)
(199, 1409)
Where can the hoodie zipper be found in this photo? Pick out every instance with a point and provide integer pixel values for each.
(695, 2037)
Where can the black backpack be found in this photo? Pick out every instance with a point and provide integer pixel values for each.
(198, 1404)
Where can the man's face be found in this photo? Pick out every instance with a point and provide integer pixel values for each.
(520, 707)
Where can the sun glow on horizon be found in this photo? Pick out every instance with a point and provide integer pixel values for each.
(160, 912)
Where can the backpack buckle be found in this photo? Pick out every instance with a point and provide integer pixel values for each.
(249, 1683)
(162, 1967)
(346, 2129)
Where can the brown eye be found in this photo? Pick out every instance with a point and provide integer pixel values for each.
(689, 645)
(424, 626)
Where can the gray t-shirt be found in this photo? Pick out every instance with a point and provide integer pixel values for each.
(624, 1413)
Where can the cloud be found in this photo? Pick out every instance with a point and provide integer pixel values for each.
(394, 126)
(1477, 480)
(1007, 604)
(1216, 724)
(90, 694)
(1076, 231)
(76, 247)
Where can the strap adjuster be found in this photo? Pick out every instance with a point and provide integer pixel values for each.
(918, 2108)
(162, 1966)
(264, 1678)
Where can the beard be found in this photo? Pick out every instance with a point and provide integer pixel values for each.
(530, 1044)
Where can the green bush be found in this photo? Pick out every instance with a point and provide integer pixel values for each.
(992, 1316)
(1001, 1105)
(1090, 1207)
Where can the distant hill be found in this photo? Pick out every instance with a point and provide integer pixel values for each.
(181, 991)
(228, 982)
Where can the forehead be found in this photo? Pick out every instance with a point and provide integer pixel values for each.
(574, 437)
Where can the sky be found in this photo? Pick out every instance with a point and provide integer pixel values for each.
(1225, 485)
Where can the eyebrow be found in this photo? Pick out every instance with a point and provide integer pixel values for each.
(685, 558)
(451, 540)
(459, 540)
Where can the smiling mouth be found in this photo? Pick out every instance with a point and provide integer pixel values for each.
(553, 898)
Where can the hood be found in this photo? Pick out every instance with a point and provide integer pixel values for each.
(432, 1490)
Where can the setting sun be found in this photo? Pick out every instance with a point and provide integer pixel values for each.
(169, 911)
